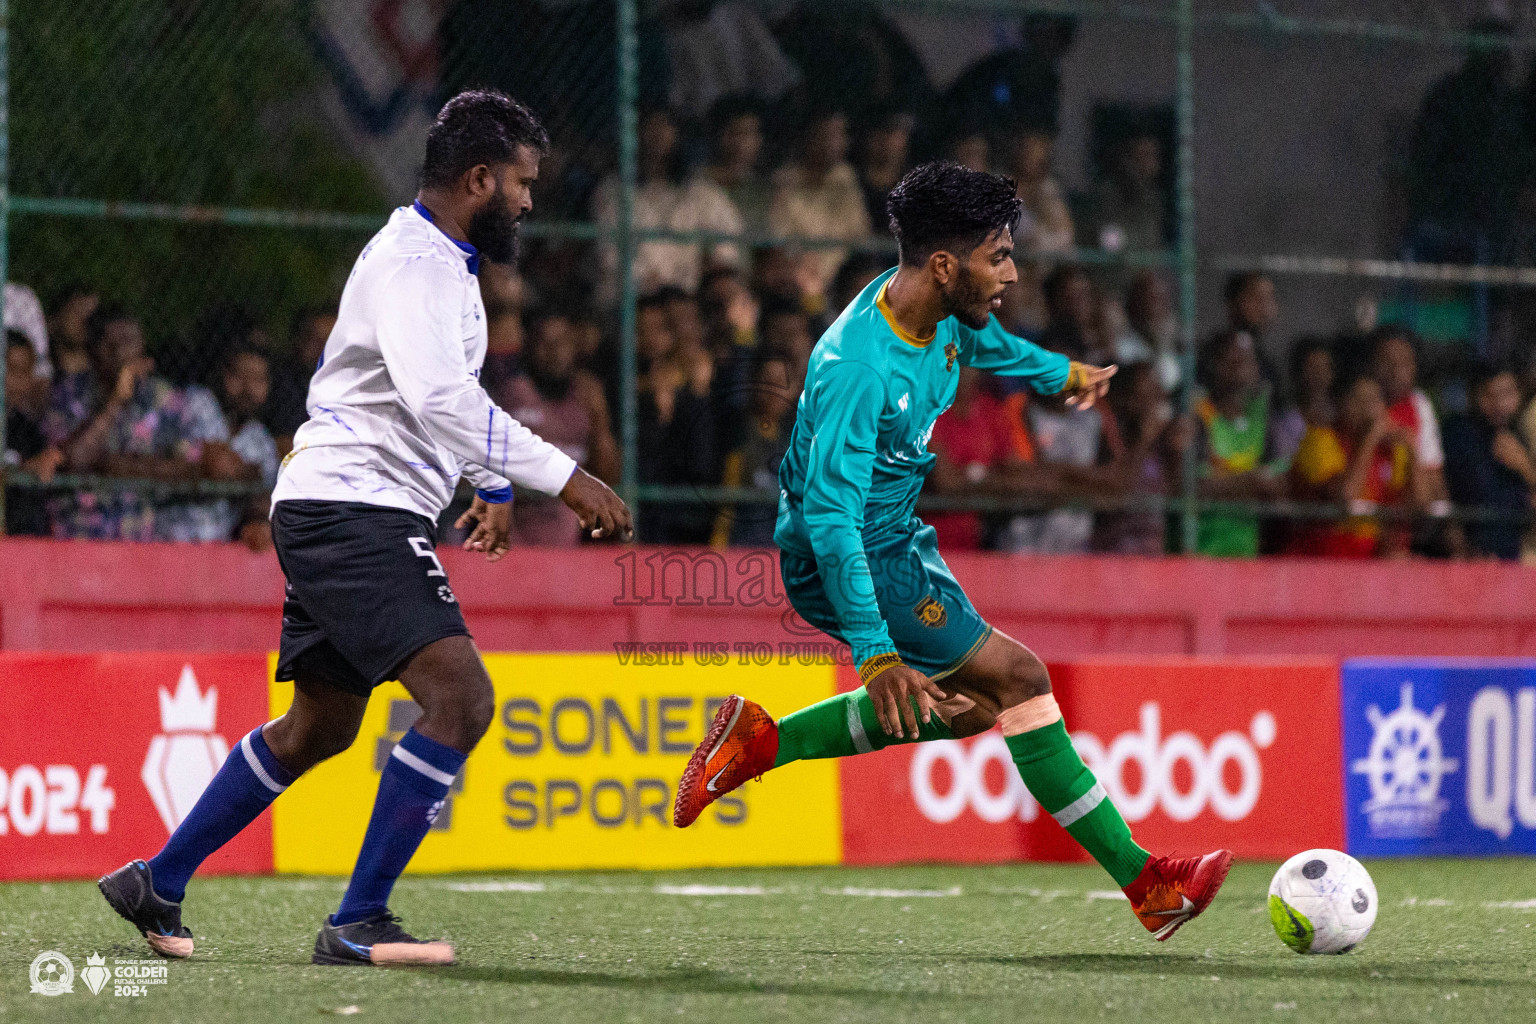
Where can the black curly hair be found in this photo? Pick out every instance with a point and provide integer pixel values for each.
(478, 126)
(942, 206)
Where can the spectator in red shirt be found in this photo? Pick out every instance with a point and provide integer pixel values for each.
(1395, 365)
(1363, 461)
(980, 449)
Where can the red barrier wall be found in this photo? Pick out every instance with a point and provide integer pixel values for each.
(79, 596)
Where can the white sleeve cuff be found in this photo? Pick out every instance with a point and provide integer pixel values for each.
(551, 477)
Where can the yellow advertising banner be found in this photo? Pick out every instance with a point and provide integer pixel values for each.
(578, 770)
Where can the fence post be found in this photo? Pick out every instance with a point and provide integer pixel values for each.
(628, 90)
(1184, 91)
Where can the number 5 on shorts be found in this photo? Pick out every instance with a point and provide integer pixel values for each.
(423, 549)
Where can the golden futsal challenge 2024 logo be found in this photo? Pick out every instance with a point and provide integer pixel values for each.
(53, 974)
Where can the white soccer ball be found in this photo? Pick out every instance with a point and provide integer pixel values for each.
(1322, 901)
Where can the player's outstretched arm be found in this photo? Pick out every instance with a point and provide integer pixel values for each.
(1049, 373)
(418, 337)
(602, 512)
(1087, 384)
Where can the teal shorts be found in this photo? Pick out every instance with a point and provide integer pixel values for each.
(933, 624)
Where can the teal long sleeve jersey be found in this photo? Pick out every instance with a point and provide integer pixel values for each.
(858, 454)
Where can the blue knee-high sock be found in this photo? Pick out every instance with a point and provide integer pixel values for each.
(412, 788)
(251, 778)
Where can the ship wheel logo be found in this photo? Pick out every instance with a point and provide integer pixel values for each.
(1405, 767)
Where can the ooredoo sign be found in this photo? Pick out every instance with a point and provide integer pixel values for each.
(1195, 755)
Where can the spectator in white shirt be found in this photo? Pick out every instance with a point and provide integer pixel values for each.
(819, 196)
(665, 200)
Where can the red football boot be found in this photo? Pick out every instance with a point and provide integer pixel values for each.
(741, 744)
(1169, 892)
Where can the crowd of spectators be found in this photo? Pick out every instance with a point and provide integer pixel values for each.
(95, 405)
(775, 214)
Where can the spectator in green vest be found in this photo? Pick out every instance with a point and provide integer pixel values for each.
(1235, 444)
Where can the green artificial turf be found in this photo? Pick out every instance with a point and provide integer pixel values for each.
(1454, 941)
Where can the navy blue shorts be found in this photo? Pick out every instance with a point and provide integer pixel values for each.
(365, 592)
(933, 624)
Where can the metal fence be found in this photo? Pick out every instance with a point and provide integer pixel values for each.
(216, 166)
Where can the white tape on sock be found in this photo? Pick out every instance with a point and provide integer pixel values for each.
(1035, 713)
(1075, 810)
(856, 727)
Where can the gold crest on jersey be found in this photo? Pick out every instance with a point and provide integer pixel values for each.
(931, 613)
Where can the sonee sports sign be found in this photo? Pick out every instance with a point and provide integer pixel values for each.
(577, 771)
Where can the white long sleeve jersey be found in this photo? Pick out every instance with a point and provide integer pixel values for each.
(396, 410)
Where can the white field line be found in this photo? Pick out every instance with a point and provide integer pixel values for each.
(512, 886)
(702, 890)
(496, 886)
(893, 894)
(1039, 894)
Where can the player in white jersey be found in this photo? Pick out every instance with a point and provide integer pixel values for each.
(397, 417)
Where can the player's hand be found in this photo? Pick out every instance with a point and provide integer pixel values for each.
(1087, 384)
(493, 527)
(892, 693)
(602, 513)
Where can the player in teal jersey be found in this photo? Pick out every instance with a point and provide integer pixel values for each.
(860, 566)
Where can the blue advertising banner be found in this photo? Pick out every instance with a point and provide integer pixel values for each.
(1439, 756)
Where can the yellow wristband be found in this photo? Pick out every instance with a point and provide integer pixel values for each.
(1077, 377)
(877, 664)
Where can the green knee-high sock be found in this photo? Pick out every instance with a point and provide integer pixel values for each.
(842, 726)
(1068, 790)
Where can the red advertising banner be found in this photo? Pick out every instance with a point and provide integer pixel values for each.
(1196, 754)
(101, 755)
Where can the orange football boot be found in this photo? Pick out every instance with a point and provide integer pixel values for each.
(741, 744)
(1169, 892)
